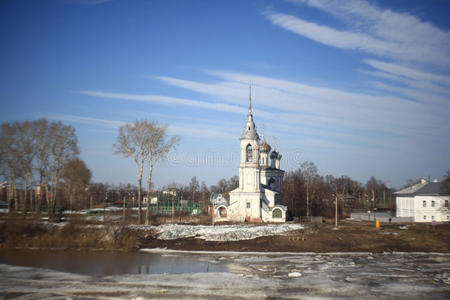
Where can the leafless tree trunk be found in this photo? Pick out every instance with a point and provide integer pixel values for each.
(158, 148)
(309, 172)
(133, 141)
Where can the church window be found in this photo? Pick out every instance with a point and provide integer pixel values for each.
(249, 153)
(276, 213)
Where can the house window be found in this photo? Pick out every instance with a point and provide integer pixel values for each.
(249, 153)
(424, 203)
(248, 204)
(448, 218)
(432, 217)
(424, 217)
(446, 203)
(432, 203)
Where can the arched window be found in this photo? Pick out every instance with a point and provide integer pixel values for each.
(424, 203)
(276, 213)
(249, 153)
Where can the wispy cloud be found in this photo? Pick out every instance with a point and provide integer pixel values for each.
(313, 106)
(409, 73)
(167, 100)
(372, 30)
(183, 129)
(87, 120)
(322, 110)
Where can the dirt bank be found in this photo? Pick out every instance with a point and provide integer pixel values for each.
(350, 237)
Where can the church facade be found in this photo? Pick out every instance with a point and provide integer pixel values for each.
(258, 197)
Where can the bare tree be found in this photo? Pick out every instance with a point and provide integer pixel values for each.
(26, 151)
(374, 187)
(9, 161)
(309, 172)
(157, 149)
(64, 147)
(43, 156)
(76, 176)
(132, 142)
(193, 187)
(143, 141)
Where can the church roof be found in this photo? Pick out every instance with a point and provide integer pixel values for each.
(266, 187)
(264, 147)
(250, 127)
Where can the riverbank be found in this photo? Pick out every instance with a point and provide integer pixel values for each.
(320, 238)
(350, 236)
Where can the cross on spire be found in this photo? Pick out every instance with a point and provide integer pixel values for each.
(249, 97)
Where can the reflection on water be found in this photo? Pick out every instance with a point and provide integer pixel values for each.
(111, 263)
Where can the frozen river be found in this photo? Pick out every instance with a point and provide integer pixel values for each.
(227, 275)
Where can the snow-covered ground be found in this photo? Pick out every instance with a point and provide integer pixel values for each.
(305, 276)
(235, 232)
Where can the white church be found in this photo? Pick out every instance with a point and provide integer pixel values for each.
(258, 197)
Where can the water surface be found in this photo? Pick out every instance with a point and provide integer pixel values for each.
(111, 263)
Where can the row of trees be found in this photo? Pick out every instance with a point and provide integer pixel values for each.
(307, 193)
(44, 154)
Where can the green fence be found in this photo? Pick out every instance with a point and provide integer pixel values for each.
(167, 208)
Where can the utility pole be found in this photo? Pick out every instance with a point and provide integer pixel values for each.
(336, 213)
(124, 206)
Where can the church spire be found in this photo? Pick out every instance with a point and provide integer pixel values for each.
(250, 128)
(249, 97)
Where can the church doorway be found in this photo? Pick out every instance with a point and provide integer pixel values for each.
(222, 211)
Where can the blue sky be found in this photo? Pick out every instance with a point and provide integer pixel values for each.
(361, 88)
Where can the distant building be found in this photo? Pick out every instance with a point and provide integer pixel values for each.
(170, 191)
(258, 197)
(424, 202)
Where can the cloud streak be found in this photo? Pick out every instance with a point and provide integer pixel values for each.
(372, 30)
(87, 120)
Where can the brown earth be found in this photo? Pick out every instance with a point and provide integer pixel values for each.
(350, 237)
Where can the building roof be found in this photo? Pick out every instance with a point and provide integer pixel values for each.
(264, 147)
(250, 129)
(425, 188)
(266, 187)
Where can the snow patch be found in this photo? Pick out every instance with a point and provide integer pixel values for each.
(222, 232)
(294, 274)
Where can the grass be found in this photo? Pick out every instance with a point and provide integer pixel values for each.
(69, 235)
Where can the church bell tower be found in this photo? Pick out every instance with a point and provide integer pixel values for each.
(249, 169)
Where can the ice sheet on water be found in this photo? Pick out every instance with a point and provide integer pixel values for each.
(322, 276)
